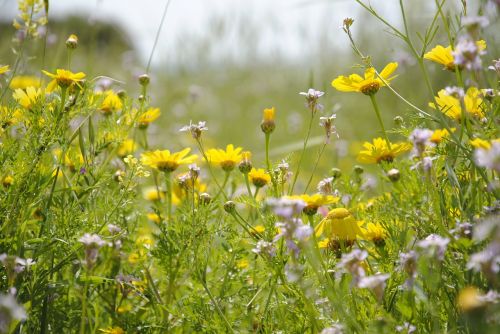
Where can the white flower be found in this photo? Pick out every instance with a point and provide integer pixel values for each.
(195, 129)
(327, 124)
(92, 240)
(489, 158)
(421, 139)
(334, 329)
(467, 55)
(434, 245)
(325, 186)
(10, 310)
(312, 94)
(264, 247)
(352, 263)
(376, 283)
(286, 208)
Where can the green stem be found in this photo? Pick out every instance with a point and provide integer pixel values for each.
(302, 154)
(168, 182)
(84, 306)
(221, 189)
(247, 183)
(377, 112)
(320, 153)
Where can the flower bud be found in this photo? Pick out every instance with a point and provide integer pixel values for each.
(72, 42)
(393, 175)
(358, 169)
(335, 173)
(268, 125)
(205, 198)
(229, 207)
(398, 121)
(245, 165)
(121, 94)
(144, 80)
(7, 181)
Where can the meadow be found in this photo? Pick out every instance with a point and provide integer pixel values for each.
(357, 194)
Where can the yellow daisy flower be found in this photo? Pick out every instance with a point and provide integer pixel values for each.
(112, 330)
(165, 161)
(9, 116)
(379, 151)
(375, 233)
(128, 146)
(155, 218)
(111, 103)
(148, 117)
(7, 181)
(27, 98)
(313, 202)
(259, 177)
(444, 56)
(339, 224)
(63, 79)
(452, 107)
(368, 85)
(440, 134)
(24, 81)
(481, 143)
(227, 159)
(4, 69)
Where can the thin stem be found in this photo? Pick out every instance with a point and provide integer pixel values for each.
(157, 36)
(290, 191)
(168, 183)
(268, 164)
(226, 178)
(377, 112)
(247, 183)
(320, 153)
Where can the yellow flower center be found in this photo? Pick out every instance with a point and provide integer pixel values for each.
(371, 88)
(388, 157)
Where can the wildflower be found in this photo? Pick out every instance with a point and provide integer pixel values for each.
(486, 261)
(4, 69)
(339, 224)
(23, 82)
(144, 80)
(496, 66)
(444, 55)
(407, 328)
(352, 263)
(111, 103)
(259, 177)
(467, 54)
(379, 151)
(72, 42)
(327, 124)
(325, 186)
(245, 165)
(489, 158)
(312, 97)
(112, 330)
(420, 139)
(148, 117)
(165, 161)
(434, 245)
(268, 125)
(154, 217)
(393, 174)
(92, 243)
(313, 202)
(127, 147)
(376, 283)
(242, 264)
(462, 230)
(368, 85)
(408, 263)
(286, 207)
(375, 233)
(227, 159)
(63, 79)
(264, 248)
(334, 329)
(468, 299)
(10, 311)
(27, 98)
(293, 229)
(230, 207)
(439, 134)
(195, 129)
(7, 181)
(194, 171)
(480, 143)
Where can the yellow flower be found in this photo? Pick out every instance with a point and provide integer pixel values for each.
(63, 79)
(71, 157)
(439, 134)
(468, 299)
(27, 98)
(451, 105)
(128, 146)
(152, 194)
(268, 114)
(112, 330)
(111, 103)
(184, 186)
(242, 264)
(339, 224)
(165, 161)
(378, 151)
(9, 116)
(481, 143)
(148, 117)
(4, 69)
(24, 81)
(375, 233)
(154, 217)
(259, 177)
(313, 202)
(227, 159)
(368, 85)
(7, 181)
(258, 229)
(444, 56)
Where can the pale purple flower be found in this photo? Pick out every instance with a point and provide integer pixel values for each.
(293, 272)
(312, 97)
(496, 66)
(334, 329)
(195, 129)
(293, 229)
(114, 229)
(468, 55)
(486, 261)
(434, 245)
(92, 244)
(491, 297)
(408, 264)
(456, 92)
(352, 263)
(376, 283)
(421, 139)
(406, 328)
(489, 158)
(286, 208)
(265, 248)
(327, 124)
(462, 230)
(325, 186)
(474, 22)
(10, 310)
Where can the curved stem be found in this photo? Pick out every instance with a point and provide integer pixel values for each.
(377, 112)
(168, 183)
(320, 153)
(290, 191)
(226, 178)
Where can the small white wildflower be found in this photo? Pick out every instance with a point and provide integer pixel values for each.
(489, 158)
(195, 129)
(327, 124)
(434, 245)
(421, 139)
(264, 247)
(468, 55)
(334, 329)
(10, 310)
(325, 186)
(406, 328)
(456, 92)
(376, 283)
(312, 96)
(352, 263)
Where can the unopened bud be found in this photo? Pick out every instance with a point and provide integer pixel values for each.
(335, 173)
(398, 121)
(393, 175)
(229, 206)
(72, 42)
(358, 169)
(144, 80)
(121, 94)
(205, 198)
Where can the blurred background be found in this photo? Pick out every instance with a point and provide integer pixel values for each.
(223, 61)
